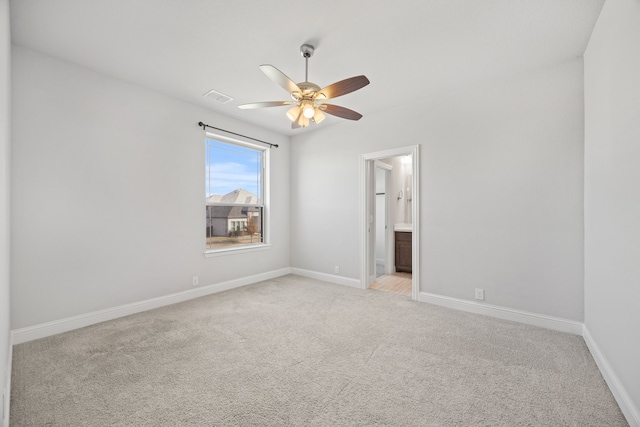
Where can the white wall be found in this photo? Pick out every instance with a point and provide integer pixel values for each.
(501, 190)
(5, 58)
(108, 193)
(612, 191)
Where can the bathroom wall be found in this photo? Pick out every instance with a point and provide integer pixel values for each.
(400, 176)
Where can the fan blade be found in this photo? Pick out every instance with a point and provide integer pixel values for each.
(336, 110)
(295, 125)
(280, 78)
(343, 87)
(265, 104)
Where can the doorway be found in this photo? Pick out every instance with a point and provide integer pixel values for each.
(400, 214)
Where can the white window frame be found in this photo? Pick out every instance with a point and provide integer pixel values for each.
(266, 211)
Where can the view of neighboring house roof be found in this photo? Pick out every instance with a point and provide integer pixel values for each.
(236, 196)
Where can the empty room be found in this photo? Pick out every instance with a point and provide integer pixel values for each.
(336, 213)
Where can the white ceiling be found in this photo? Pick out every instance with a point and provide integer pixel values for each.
(408, 49)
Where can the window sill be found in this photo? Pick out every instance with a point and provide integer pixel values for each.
(239, 250)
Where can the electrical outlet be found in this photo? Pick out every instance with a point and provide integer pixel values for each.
(480, 294)
(194, 280)
(337, 269)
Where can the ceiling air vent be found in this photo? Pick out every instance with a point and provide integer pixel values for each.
(218, 97)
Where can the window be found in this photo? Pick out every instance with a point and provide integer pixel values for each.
(235, 195)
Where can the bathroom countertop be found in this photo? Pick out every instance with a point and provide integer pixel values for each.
(403, 227)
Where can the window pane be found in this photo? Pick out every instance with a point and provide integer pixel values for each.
(234, 173)
(233, 226)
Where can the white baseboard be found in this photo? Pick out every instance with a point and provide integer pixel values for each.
(534, 319)
(331, 278)
(628, 408)
(6, 402)
(42, 330)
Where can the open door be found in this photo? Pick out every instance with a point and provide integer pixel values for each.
(383, 219)
(371, 222)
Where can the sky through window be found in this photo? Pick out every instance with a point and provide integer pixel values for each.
(231, 167)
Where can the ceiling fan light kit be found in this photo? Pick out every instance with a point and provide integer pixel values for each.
(308, 97)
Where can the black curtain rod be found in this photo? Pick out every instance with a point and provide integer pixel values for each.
(233, 133)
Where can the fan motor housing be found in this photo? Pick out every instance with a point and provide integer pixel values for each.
(308, 91)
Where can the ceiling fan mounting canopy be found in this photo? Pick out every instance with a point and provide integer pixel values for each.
(306, 50)
(308, 97)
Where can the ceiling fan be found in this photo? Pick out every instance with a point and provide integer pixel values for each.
(308, 98)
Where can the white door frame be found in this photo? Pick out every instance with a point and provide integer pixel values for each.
(367, 213)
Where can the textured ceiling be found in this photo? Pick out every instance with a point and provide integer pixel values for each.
(409, 49)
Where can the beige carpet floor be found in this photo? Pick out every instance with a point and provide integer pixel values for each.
(297, 351)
